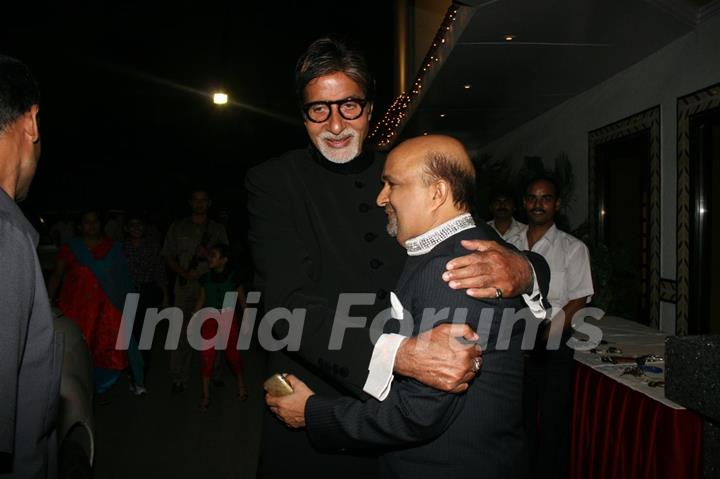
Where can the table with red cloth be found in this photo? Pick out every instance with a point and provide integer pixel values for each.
(622, 427)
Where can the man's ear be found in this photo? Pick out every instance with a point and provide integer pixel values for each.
(440, 193)
(30, 124)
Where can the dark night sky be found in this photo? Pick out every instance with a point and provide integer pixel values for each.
(120, 122)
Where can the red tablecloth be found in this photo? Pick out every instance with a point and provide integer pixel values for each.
(621, 433)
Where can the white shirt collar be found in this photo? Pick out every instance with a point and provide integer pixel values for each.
(520, 239)
(551, 234)
(424, 243)
(513, 229)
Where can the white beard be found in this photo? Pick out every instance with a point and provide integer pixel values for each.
(340, 155)
(392, 226)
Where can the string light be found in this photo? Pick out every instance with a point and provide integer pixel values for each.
(387, 128)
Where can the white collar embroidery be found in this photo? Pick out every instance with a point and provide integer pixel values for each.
(424, 243)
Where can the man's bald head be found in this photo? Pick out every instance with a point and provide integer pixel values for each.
(427, 181)
(441, 157)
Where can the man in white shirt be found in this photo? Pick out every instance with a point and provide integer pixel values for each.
(502, 209)
(549, 373)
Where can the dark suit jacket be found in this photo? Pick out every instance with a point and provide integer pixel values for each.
(427, 433)
(31, 355)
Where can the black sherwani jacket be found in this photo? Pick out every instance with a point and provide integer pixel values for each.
(315, 232)
(427, 433)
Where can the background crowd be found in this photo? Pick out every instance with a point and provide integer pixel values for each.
(92, 259)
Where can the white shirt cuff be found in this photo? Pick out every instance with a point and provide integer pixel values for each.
(381, 366)
(534, 299)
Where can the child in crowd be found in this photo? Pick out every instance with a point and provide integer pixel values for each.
(148, 273)
(220, 280)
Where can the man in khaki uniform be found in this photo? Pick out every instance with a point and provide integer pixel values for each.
(185, 251)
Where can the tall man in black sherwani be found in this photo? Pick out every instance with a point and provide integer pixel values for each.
(423, 432)
(315, 234)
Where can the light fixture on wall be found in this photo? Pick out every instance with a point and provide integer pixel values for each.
(467, 87)
(509, 38)
(220, 98)
(442, 115)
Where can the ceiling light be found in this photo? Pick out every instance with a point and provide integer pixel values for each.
(220, 98)
(509, 38)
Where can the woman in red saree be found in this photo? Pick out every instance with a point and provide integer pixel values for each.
(95, 281)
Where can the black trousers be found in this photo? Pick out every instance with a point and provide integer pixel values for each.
(547, 402)
(151, 296)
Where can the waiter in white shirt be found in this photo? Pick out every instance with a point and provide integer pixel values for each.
(549, 373)
(502, 209)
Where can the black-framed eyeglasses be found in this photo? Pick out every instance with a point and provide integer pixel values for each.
(348, 108)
